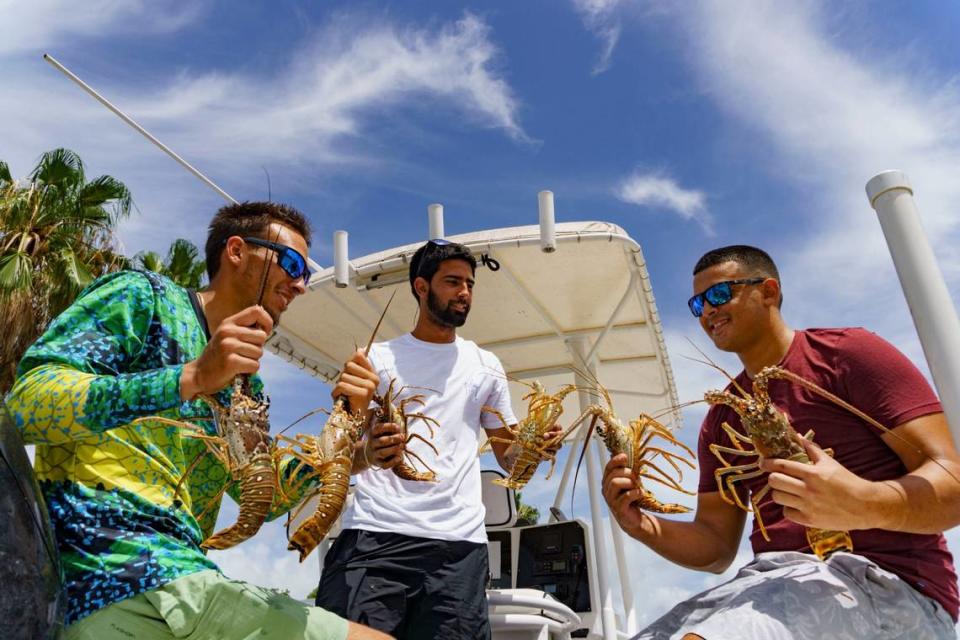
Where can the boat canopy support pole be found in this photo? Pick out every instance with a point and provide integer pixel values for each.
(623, 569)
(608, 620)
(934, 313)
(567, 467)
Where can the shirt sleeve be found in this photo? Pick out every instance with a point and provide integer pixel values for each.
(881, 381)
(499, 399)
(73, 382)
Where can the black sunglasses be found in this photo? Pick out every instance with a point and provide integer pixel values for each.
(289, 259)
(718, 294)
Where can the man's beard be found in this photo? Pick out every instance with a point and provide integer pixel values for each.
(445, 316)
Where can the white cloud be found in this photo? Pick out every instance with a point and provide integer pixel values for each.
(308, 119)
(33, 26)
(835, 115)
(656, 190)
(599, 17)
(331, 88)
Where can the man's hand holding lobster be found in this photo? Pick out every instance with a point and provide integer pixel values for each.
(235, 348)
(622, 496)
(357, 383)
(823, 494)
(383, 446)
(514, 449)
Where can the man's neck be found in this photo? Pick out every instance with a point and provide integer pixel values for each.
(769, 351)
(429, 331)
(218, 305)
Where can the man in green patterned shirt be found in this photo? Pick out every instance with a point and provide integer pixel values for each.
(136, 345)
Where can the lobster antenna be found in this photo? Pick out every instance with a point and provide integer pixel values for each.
(710, 363)
(383, 315)
(269, 190)
(266, 268)
(146, 134)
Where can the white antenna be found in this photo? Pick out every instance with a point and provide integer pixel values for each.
(146, 134)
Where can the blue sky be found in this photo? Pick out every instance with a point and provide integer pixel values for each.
(692, 125)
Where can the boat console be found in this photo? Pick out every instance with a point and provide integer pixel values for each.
(541, 576)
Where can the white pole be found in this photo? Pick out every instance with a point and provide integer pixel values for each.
(548, 231)
(626, 589)
(435, 214)
(341, 260)
(608, 619)
(146, 134)
(572, 455)
(934, 314)
(315, 267)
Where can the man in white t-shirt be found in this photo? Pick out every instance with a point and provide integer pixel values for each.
(412, 557)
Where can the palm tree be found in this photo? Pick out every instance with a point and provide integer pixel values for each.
(56, 236)
(526, 514)
(182, 265)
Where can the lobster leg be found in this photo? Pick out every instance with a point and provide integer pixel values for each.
(424, 440)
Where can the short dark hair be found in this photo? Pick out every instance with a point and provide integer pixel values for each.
(426, 261)
(249, 219)
(757, 261)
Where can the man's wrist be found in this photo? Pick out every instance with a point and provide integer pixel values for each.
(189, 388)
(884, 506)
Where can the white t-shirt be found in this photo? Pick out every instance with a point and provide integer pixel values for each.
(456, 380)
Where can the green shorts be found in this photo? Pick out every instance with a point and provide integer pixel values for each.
(207, 604)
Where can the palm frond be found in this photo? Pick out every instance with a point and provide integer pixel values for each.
(77, 273)
(149, 261)
(59, 167)
(103, 190)
(15, 272)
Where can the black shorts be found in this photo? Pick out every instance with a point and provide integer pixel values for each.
(412, 588)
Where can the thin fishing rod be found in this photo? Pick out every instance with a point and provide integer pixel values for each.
(146, 134)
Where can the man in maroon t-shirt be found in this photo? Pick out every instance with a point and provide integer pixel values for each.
(894, 492)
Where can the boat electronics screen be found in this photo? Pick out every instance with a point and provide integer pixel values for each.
(552, 559)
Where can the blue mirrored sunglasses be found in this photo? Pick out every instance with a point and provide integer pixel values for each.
(289, 259)
(716, 295)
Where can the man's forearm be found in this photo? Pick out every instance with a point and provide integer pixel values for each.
(359, 459)
(693, 545)
(65, 404)
(926, 500)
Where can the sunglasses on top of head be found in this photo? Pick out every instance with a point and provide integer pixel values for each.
(289, 259)
(718, 294)
(431, 245)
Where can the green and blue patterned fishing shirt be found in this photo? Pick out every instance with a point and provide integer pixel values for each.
(116, 355)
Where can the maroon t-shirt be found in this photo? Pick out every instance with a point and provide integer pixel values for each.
(872, 375)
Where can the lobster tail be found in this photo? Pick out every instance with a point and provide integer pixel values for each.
(257, 486)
